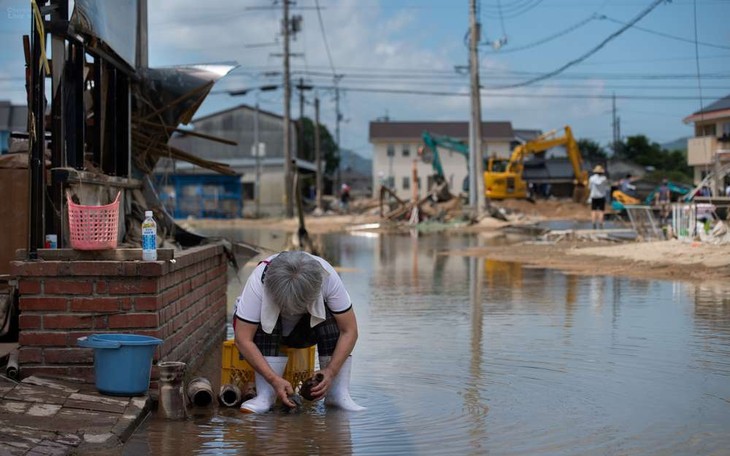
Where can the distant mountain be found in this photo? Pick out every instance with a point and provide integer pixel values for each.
(677, 144)
(350, 161)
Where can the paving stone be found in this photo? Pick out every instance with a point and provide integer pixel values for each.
(105, 438)
(70, 420)
(13, 449)
(100, 399)
(8, 406)
(36, 423)
(16, 433)
(37, 394)
(43, 409)
(48, 383)
(5, 387)
(98, 403)
(48, 448)
(140, 402)
(69, 439)
(42, 417)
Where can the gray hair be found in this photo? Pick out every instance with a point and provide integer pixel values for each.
(293, 280)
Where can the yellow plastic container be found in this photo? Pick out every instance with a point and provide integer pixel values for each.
(236, 370)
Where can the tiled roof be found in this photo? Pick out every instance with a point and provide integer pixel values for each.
(460, 130)
(719, 105)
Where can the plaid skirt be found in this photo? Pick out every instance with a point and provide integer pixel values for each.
(324, 336)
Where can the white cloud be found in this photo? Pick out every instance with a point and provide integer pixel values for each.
(362, 40)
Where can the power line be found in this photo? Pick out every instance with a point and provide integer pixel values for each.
(423, 72)
(549, 38)
(510, 95)
(697, 60)
(667, 35)
(514, 9)
(615, 34)
(324, 37)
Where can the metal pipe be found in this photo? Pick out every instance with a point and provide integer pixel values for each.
(172, 397)
(200, 392)
(11, 369)
(230, 395)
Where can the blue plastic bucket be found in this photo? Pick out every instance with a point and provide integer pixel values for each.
(122, 362)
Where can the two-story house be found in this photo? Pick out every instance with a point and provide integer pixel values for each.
(710, 146)
(396, 144)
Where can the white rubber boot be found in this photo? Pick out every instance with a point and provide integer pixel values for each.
(339, 393)
(265, 394)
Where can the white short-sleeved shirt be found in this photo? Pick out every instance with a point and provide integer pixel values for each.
(598, 185)
(249, 304)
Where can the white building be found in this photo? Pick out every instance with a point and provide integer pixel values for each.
(710, 146)
(396, 144)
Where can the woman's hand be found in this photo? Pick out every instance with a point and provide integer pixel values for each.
(283, 390)
(319, 390)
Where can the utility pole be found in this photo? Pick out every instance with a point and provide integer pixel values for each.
(288, 168)
(317, 155)
(476, 191)
(300, 135)
(614, 124)
(338, 118)
(300, 123)
(257, 151)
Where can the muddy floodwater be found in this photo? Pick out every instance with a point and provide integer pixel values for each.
(470, 356)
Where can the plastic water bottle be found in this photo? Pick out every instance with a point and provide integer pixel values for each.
(149, 237)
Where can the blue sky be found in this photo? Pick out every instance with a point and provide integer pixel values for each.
(415, 45)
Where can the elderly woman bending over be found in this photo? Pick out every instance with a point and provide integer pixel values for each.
(296, 300)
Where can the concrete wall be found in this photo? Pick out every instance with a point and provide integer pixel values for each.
(183, 303)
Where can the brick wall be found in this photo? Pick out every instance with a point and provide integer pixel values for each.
(182, 302)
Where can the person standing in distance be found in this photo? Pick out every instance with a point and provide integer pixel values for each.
(598, 185)
(297, 300)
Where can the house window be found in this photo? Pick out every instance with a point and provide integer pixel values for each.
(406, 150)
(391, 150)
(706, 130)
(726, 131)
(406, 183)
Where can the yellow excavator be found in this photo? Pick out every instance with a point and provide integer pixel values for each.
(503, 178)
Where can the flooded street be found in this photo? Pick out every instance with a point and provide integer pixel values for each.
(460, 355)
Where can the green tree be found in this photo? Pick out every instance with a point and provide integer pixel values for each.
(328, 146)
(591, 151)
(640, 150)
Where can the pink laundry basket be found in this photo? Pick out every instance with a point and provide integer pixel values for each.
(93, 227)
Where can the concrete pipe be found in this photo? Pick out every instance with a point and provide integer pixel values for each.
(200, 392)
(230, 395)
(11, 370)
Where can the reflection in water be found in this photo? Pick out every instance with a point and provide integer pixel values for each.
(474, 403)
(229, 432)
(462, 355)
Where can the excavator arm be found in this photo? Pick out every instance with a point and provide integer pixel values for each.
(509, 183)
(433, 143)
